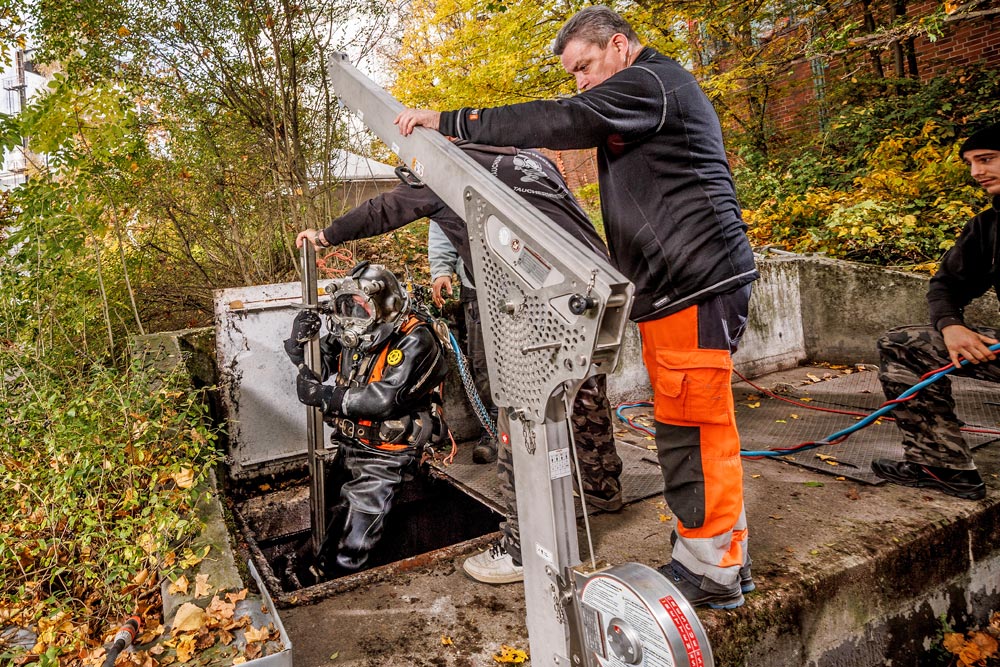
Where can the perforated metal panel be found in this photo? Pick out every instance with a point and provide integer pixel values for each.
(534, 341)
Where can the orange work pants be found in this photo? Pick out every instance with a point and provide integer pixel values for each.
(688, 355)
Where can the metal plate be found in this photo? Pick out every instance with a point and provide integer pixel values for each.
(267, 426)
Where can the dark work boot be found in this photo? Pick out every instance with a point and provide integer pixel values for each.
(485, 450)
(746, 578)
(966, 484)
(702, 591)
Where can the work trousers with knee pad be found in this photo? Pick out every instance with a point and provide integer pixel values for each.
(932, 432)
(688, 355)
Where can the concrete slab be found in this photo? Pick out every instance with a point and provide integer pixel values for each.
(847, 574)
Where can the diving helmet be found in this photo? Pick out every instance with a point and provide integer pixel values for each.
(366, 306)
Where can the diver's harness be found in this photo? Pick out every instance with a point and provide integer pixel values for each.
(410, 432)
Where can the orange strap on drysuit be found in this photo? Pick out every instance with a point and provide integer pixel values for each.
(375, 375)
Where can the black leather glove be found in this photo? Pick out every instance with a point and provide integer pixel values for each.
(305, 326)
(313, 392)
(296, 352)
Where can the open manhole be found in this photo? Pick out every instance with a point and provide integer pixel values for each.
(431, 517)
(430, 520)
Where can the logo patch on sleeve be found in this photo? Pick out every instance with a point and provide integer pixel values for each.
(395, 357)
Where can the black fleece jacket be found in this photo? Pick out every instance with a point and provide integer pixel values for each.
(967, 270)
(673, 223)
(527, 173)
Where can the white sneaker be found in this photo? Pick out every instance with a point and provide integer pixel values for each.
(494, 566)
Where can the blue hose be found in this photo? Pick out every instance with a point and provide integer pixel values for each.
(840, 435)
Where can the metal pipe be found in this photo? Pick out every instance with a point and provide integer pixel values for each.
(314, 416)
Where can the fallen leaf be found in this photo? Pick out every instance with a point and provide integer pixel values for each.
(813, 377)
(954, 641)
(191, 558)
(987, 644)
(755, 404)
(254, 650)
(780, 421)
(334, 655)
(805, 399)
(257, 634)
(183, 478)
(220, 610)
(754, 476)
(793, 416)
(446, 641)
(665, 517)
(189, 617)
(775, 517)
(205, 640)
(236, 597)
(201, 586)
(239, 660)
(180, 585)
(226, 637)
(971, 655)
(510, 655)
(185, 649)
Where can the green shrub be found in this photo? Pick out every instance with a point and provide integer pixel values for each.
(884, 186)
(98, 475)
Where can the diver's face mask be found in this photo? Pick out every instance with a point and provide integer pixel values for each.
(365, 307)
(352, 316)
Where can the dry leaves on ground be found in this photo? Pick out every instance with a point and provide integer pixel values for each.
(977, 648)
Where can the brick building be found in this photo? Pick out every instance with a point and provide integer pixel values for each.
(971, 37)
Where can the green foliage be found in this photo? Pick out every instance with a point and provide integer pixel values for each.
(589, 196)
(97, 481)
(885, 185)
(456, 53)
(905, 208)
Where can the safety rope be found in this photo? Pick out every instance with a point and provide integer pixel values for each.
(470, 389)
(834, 438)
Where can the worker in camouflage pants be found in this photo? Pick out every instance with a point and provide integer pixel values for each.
(936, 455)
(600, 465)
(931, 431)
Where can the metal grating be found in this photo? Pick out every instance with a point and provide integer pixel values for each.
(640, 478)
(771, 423)
(768, 423)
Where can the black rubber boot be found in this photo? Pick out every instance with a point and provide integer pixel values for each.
(966, 484)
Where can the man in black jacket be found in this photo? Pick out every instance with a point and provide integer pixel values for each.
(539, 182)
(674, 229)
(936, 454)
(384, 364)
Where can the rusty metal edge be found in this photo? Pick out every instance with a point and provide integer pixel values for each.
(313, 594)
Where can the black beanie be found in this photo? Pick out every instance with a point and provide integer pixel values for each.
(987, 138)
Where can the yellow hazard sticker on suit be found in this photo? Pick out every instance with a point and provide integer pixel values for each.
(395, 357)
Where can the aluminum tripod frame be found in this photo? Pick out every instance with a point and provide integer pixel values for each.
(550, 309)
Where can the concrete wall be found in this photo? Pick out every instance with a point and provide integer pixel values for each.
(807, 307)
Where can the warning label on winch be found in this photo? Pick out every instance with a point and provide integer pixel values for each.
(683, 625)
(612, 599)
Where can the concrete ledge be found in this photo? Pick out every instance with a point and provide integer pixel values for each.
(848, 575)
